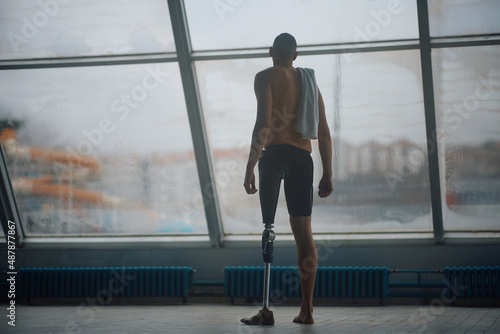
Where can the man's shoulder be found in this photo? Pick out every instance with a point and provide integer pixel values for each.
(265, 76)
(265, 72)
(272, 72)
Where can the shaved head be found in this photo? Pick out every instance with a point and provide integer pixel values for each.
(284, 46)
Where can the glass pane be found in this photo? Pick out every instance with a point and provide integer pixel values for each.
(248, 24)
(101, 150)
(465, 17)
(375, 112)
(467, 90)
(55, 28)
(226, 89)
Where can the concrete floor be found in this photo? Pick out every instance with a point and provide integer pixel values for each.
(217, 318)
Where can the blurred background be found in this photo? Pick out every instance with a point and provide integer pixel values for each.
(96, 132)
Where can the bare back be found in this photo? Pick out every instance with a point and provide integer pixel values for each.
(286, 87)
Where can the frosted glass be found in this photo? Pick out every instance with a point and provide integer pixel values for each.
(467, 86)
(101, 150)
(237, 24)
(375, 111)
(464, 17)
(56, 28)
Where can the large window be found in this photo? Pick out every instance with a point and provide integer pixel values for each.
(101, 150)
(226, 90)
(375, 111)
(48, 29)
(465, 17)
(134, 117)
(243, 24)
(467, 85)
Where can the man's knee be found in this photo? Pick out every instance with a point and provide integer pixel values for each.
(301, 225)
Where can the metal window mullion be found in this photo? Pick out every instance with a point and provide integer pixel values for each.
(8, 204)
(305, 50)
(90, 61)
(430, 120)
(438, 43)
(196, 122)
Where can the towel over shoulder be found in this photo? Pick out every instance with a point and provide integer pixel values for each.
(307, 119)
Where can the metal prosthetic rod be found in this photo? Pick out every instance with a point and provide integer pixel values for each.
(265, 316)
(268, 237)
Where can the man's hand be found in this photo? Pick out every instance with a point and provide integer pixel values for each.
(249, 183)
(325, 187)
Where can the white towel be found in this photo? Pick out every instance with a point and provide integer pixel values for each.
(308, 114)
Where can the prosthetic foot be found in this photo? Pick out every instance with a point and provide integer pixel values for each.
(265, 316)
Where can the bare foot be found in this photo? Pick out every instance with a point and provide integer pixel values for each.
(304, 318)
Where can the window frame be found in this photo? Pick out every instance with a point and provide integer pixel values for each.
(185, 57)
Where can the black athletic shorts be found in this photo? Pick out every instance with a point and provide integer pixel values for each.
(295, 166)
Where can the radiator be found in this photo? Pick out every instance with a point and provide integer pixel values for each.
(331, 282)
(472, 282)
(106, 281)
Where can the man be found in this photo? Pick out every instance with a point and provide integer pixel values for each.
(285, 153)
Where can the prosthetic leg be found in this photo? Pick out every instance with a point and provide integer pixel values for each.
(265, 316)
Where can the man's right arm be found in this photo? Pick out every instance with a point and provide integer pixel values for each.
(261, 129)
(325, 151)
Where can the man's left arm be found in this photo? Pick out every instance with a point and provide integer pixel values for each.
(325, 151)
